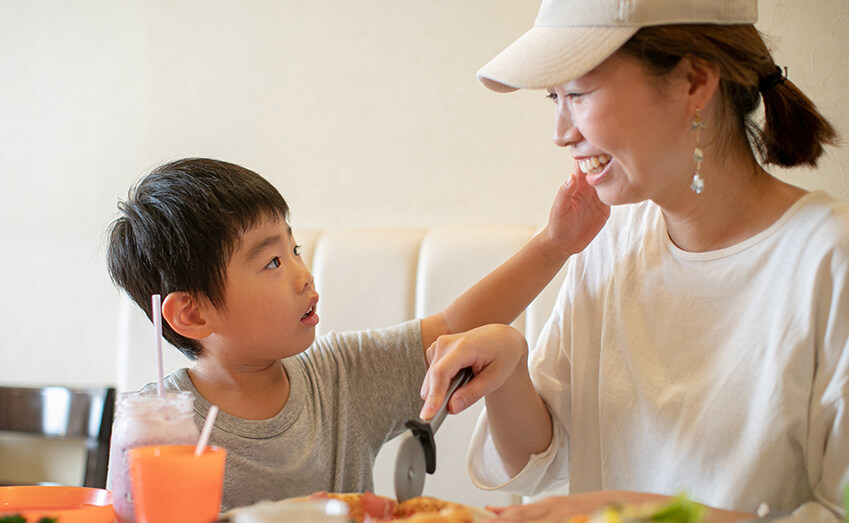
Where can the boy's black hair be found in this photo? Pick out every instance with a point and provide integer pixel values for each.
(178, 228)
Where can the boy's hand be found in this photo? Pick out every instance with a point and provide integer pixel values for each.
(576, 217)
(494, 352)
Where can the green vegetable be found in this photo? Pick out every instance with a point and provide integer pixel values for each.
(17, 518)
(679, 510)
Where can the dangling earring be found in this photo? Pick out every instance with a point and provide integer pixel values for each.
(698, 185)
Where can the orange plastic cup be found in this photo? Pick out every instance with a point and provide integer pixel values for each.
(171, 485)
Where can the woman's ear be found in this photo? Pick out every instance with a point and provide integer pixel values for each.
(186, 315)
(702, 79)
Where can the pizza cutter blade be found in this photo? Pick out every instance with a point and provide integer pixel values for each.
(417, 453)
(410, 468)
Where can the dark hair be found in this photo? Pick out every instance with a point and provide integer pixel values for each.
(794, 132)
(178, 228)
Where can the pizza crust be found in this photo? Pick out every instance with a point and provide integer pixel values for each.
(425, 509)
(366, 507)
(446, 515)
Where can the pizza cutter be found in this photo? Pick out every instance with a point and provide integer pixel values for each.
(417, 453)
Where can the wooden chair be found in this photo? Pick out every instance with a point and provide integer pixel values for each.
(64, 413)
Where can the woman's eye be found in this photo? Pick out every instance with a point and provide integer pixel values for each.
(568, 96)
(274, 263)
(297, 250)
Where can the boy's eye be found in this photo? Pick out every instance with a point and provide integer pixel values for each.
(552, 96)
(274, 263)
(297, 250)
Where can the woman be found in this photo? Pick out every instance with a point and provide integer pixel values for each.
(700, 343)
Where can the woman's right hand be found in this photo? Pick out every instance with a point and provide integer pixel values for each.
(498, 355)
(494, 352)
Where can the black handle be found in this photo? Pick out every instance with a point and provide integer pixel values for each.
(424, 430)
(462, 377)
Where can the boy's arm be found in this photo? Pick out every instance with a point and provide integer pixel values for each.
(577, 215)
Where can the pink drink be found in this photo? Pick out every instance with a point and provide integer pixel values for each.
(145, 419)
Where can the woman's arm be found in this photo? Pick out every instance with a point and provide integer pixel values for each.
(496, 352)
(576, 217)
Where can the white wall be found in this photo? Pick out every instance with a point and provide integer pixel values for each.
(363, 113)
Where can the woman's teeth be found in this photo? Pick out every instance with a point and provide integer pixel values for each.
(308, 312)
(594, 164)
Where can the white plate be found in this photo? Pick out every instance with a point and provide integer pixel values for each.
(282, 510)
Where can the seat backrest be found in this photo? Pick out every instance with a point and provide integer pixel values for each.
(376, 278)
(64, 413)
(366, 278)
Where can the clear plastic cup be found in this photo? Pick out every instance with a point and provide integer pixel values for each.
(172, 485)
(142, 419)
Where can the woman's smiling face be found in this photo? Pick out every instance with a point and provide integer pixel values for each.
(628, 130)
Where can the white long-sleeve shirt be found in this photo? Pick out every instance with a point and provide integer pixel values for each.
(723, 375)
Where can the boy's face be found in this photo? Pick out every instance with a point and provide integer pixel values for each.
(269, 299)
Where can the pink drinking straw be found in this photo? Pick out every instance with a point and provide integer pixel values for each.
(157, 327)
(206, 430)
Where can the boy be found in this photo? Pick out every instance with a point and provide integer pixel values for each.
(297, 415)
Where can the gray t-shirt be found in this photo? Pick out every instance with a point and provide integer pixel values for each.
(350, 393)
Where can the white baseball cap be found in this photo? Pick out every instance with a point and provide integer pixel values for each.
(571, 37)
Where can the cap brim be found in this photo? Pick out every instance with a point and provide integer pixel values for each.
(548, 56)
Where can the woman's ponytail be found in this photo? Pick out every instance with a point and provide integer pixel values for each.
(794, 132)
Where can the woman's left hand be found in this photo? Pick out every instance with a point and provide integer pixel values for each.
(576, 217)
(561, 508)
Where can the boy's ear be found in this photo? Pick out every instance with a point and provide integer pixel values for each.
(186, 315)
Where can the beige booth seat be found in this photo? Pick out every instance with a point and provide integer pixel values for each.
(376, 278)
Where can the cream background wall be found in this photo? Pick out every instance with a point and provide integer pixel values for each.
(362, 113)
